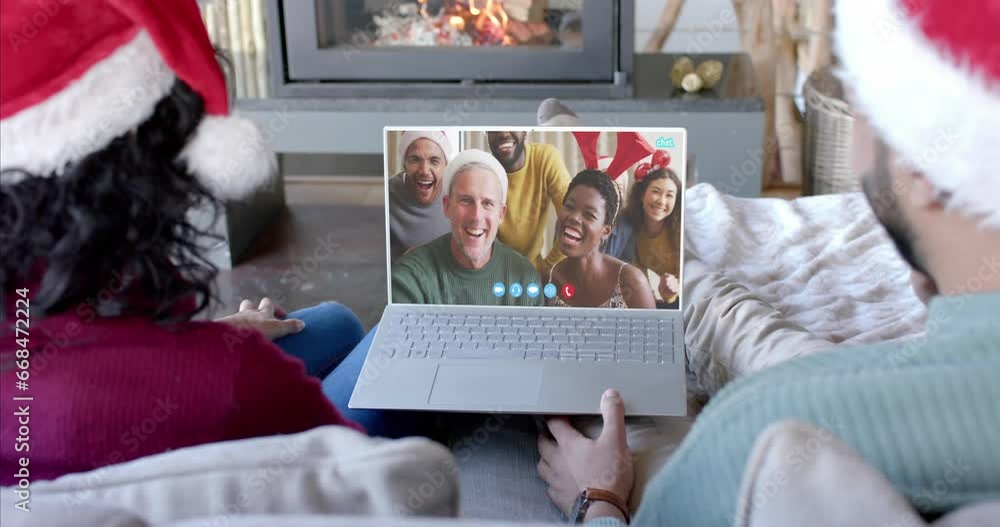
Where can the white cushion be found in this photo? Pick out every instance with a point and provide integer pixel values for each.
(327, 470)
(799, 474)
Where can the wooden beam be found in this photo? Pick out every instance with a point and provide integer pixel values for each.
(668, 19)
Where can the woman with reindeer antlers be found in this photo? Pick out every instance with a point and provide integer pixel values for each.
(648, 235)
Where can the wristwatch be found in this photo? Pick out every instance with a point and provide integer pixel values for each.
(588, 496)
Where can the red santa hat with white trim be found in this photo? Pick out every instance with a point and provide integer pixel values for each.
(79, 74)
(927, 75)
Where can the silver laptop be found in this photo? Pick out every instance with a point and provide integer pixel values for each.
(507, 356)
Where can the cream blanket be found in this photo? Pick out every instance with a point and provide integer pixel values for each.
(766, 280)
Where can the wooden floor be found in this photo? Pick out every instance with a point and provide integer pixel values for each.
(328, 246)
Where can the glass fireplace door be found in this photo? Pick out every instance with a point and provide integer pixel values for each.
(451, 40)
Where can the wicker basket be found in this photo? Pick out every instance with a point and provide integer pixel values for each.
(827, 157)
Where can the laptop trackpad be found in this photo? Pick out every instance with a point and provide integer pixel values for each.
(509, 385)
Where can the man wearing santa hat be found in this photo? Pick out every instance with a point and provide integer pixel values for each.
(925, 82)
(416, 215)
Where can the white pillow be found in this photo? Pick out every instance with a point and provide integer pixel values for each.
(798, 474)
(327, 470)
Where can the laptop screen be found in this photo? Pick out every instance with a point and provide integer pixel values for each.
(557, 217)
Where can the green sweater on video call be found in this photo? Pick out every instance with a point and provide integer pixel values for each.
(917, 412)
(430, 274)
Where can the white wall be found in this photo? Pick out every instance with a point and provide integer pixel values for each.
(704, 26)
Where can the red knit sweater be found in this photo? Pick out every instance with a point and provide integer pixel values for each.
(108, 390)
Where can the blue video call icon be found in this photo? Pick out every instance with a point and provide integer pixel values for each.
(550, 290)
(499, 289)
(516, 290)
(533, 290)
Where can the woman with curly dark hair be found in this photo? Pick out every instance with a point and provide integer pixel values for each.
(593, 278)
(649, 234)
(115, 124)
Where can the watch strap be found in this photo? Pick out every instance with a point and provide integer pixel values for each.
(593, 494)
(590, 494)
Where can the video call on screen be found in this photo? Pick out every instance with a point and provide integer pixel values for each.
(582, 217)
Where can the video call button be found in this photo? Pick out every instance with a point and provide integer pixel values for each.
(568, 291)
(516, 290)
(533, 290)
(499, 289)
(550, 290)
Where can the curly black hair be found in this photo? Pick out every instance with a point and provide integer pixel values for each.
(602, 183)
(120, 211)
(633, 210)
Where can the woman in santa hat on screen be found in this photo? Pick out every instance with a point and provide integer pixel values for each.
(114, 124)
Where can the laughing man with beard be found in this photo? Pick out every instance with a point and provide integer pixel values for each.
(462, 266)
(416, 215)
(538, 177)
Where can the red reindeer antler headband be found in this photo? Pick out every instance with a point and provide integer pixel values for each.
(661, 160)
(631, 148)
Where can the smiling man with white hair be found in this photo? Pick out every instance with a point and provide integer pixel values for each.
(463, 266)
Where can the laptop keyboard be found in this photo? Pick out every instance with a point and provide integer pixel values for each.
(580, 338)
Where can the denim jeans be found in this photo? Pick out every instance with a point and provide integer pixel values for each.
(333, 346)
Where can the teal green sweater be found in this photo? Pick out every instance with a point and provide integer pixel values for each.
(430, 274)
(913, 410)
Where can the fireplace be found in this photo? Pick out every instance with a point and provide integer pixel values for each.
(421, 48)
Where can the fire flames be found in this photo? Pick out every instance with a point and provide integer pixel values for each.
(491, 19)
(481, 23)
(485, 20)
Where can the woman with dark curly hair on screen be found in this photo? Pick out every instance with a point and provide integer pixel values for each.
(649, 233)
(115, 125)
(588, 277)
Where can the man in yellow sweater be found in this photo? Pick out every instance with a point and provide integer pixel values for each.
(537, 176)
